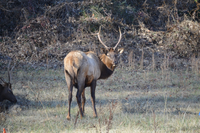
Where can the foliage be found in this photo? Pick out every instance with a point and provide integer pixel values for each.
(45, 31)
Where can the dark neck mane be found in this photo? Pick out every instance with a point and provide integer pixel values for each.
(105, 71)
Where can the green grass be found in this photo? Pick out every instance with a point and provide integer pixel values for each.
(143, 101)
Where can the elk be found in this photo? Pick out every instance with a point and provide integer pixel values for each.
(6, 90)
(83, 69)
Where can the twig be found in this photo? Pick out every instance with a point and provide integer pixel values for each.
(76, 119)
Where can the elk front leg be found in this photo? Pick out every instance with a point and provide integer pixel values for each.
(83, 101)
(78, 98)
(80, 88)
(93, 87)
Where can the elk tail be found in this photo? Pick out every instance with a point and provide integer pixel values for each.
(67, 73)
(71, 74)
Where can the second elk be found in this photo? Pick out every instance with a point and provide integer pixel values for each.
(6, 89)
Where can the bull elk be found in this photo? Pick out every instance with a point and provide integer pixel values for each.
(83, 69)
(6, 90)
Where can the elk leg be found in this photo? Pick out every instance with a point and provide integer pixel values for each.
(70, 89)
(93, 87)
(69, 101)
(83, 101)
(80, 89)
(78, 98)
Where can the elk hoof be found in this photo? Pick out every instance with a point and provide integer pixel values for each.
(68, 118)
(95, 116)
(82, 116)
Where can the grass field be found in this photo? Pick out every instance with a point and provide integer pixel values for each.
(156, 88)
(129, 101)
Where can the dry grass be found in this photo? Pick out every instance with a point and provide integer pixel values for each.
(129, 101)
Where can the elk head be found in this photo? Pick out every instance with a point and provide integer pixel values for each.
(6, 90)
(111, 54)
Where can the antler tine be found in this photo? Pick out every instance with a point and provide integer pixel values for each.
(2, 80)
(100, 38)
(9, 71)
(120, 37)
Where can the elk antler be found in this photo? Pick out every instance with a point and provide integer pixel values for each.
(2, 80)
(100, 39)
(120, 37)
(9, 71)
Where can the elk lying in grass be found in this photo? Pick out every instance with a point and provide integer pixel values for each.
(83, 69)
(6, 90)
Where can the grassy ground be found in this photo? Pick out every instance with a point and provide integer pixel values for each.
(129, 101)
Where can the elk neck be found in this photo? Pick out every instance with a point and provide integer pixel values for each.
(106, 67)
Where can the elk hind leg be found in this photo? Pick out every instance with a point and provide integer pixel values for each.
(70, 89)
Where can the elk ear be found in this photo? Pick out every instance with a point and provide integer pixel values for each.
(121, 50)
